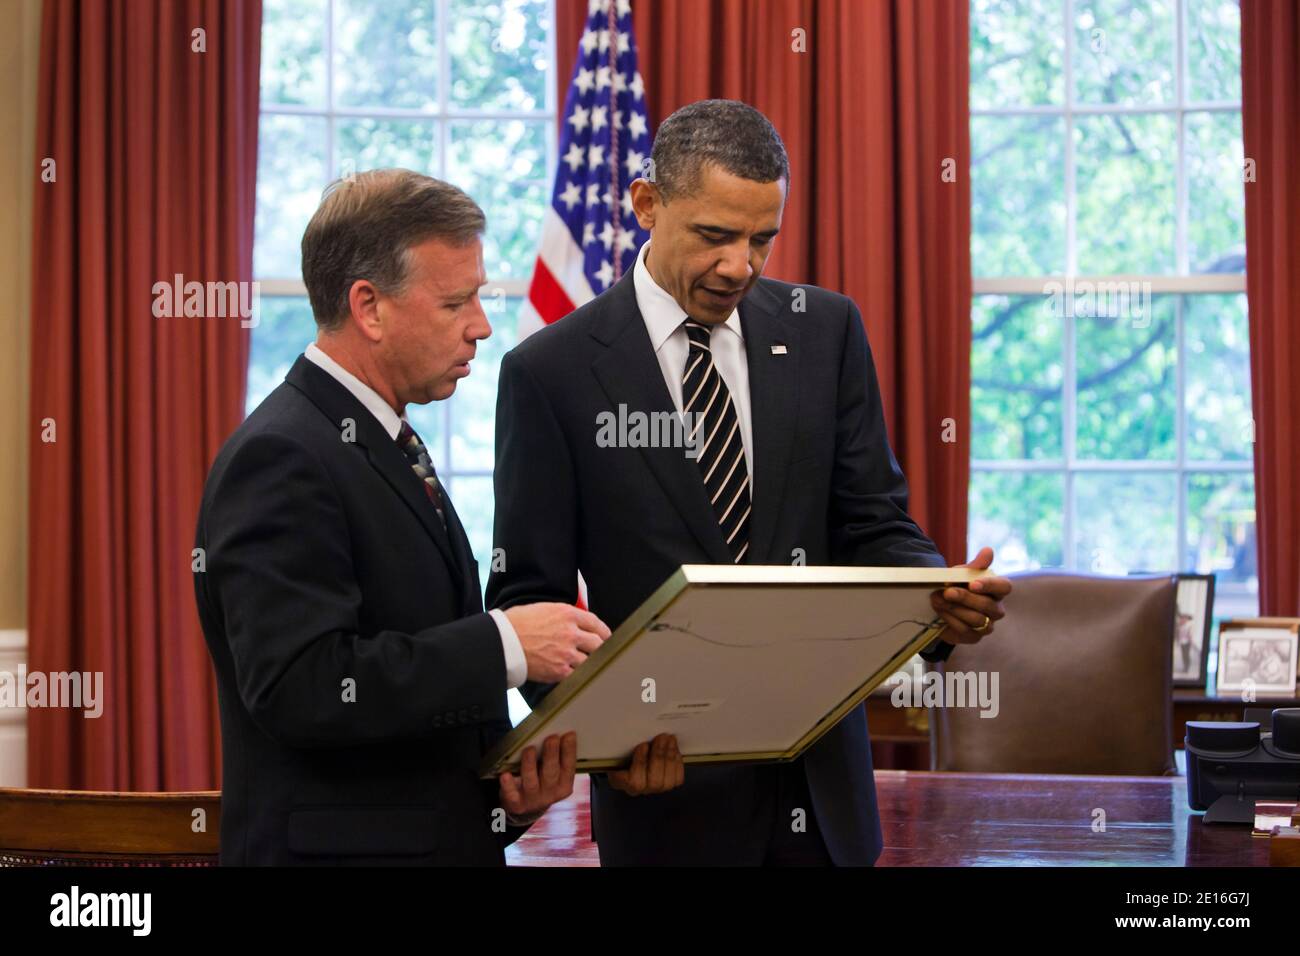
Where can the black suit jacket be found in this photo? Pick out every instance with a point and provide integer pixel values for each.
(824, 481)
(359, 680)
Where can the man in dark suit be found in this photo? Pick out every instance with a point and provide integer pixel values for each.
(359, 680)
(789, 461)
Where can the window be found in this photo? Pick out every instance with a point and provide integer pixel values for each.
(458, 89)
(1111, 407)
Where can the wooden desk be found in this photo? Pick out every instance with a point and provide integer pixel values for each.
(953, 819)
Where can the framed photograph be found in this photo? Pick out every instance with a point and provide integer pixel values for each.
(1258, 654)
(744, 664)
(1192, 628)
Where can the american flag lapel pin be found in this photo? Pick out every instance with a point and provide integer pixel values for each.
(779, 349)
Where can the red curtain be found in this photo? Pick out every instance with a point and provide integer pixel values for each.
(148, 112)
(874, 115)
(1270, 113)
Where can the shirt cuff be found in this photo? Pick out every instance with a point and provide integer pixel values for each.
(516, 662)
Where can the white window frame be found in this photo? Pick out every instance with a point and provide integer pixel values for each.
(1178, 284)
(442, 116)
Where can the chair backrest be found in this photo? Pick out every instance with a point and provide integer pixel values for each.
(1084, 666)
(93, 828)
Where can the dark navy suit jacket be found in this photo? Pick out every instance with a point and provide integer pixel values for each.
(824, 481)
(325, 564)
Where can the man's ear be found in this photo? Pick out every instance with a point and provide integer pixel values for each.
(646, 200)
(363, 308)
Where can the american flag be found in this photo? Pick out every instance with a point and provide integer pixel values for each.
(590, 236)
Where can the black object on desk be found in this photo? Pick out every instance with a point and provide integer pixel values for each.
(1231, 765)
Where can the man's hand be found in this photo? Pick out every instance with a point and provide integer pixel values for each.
(656, 768)
(970, 613)
(527, 797)
(556, 638)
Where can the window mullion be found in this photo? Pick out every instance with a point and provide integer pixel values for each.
(1067, 315)
(330, 167)
(1180, 426)
(444, 98)
(1181, 257)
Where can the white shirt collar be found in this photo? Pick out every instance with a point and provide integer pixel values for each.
(662, 315)
(367, 396)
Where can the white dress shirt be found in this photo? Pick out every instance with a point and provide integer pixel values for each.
(516, 662)
(663, 320)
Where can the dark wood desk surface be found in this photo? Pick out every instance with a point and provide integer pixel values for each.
(953, 819)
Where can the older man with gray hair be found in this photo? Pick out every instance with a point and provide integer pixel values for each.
(359, 680)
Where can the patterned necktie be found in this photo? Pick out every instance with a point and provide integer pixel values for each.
(716, 434)
(422, 465)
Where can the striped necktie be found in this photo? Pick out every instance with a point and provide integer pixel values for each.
(716, 433)
(422, 465)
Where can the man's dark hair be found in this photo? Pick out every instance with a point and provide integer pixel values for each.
(726, 133)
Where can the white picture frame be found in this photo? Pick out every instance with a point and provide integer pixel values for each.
(1258, 655)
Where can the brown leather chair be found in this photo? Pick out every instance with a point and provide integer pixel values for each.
(1084, 666)
(89, 828)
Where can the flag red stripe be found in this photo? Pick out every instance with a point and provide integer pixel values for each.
(548, 296)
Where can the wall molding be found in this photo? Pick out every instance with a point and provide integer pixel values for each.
(13, 721)
(13, 641)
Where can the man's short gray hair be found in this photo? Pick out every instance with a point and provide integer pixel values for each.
(364, 228)
(725, 133)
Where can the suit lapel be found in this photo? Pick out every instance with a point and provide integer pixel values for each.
(471, 597)
(339, 405)
(773, 399)
(630, 375)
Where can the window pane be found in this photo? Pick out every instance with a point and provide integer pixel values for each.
(499, 53)
(1019, 515)
(502, 164)
(1216, 342)
(290, 176)
(1221, 527)
(473, 408)
(1016, 376)
(284, 327)
(1016, 53)
(1213, 30)
(1109, 538)
(1017, 195)
(1216, 201)
(385, 53)
(1126, 377)
(362, 144)
(1126, 197)
(1123, 51)
(293, 52)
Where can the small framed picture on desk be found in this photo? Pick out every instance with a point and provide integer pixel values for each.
(1258, 655)
(1192, 628)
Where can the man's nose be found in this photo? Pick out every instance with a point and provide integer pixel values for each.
(735, 262)
(479, 326)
